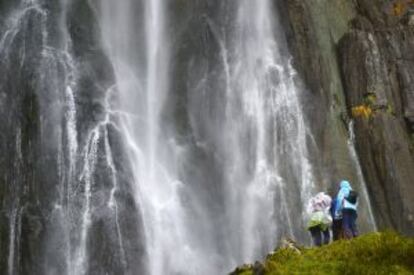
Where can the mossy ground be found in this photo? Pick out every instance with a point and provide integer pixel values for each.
(374, 253)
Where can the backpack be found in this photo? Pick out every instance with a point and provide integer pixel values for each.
(352, 197)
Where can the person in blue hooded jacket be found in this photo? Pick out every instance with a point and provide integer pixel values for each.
(346, 209)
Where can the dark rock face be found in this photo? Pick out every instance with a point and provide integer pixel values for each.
(312, 30)
(371, 54)
(379, 60)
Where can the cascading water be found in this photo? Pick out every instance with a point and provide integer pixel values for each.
(366, 208)
(53, 78)
(169, 136)
(141, 74)
(59, 184)
(259, 138)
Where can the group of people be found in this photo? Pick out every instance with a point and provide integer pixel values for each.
(338, 213)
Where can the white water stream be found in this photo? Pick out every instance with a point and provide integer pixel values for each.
(261, 102)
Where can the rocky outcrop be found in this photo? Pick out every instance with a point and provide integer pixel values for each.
(377, 60)
(313, 30)
(348, 52)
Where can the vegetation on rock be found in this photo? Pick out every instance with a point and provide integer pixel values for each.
(374, 253)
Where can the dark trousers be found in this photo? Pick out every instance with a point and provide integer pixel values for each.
(319, 236)
(337, 230)
(349, 228)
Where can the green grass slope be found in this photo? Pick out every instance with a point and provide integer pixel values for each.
(374, 253)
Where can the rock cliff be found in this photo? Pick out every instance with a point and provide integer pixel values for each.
(360, 53)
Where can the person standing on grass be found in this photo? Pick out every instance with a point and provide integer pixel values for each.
(319, 218)
(336, 221)
(346, 211)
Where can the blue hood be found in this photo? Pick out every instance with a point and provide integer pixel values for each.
(345, 188)
(345, 185)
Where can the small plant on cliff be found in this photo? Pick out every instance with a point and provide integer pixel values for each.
(399, 7)
(361, 111)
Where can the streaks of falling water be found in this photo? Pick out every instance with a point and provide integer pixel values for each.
(361, 178)
(154, 35)
(12, 241)
(159, 184)
(112, 203)
(156, 187)
(56, 77)
(15, 231)
(14, 215)
(72, 149)
(264, 82)
(56, 61)
(61, 57)
(90, 155)
(270, 112)
(15, 23)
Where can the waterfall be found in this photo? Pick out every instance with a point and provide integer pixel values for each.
(151, 136)
(259, 137)
(141, 83)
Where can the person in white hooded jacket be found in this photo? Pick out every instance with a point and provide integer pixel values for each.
(319, 218)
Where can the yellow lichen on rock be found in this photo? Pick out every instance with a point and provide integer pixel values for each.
(364, 111)
(400, 7)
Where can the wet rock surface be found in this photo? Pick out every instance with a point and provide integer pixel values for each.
(365, 51)
(42, 55)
